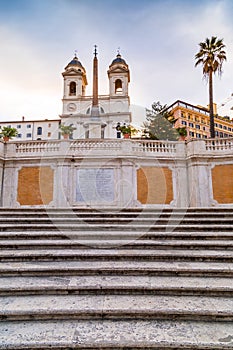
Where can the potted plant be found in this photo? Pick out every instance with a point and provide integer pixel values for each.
(182, 132)
(66, 130)
(127, 130)
(7, 133)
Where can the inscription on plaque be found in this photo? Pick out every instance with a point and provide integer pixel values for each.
(95, 185)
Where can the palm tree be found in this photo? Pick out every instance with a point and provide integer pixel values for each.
(211, 56)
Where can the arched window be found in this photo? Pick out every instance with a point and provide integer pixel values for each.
(72, 88)
(39, 130)
(118, 86)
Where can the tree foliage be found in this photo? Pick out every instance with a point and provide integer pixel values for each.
(159, 123)
(211, 56)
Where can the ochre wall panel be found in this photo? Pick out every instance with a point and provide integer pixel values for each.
(154, 185)
(35, 185)
(222, 180)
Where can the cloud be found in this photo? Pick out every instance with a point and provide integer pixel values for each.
(158, 39)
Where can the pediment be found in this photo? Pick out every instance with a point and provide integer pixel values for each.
(72, 72)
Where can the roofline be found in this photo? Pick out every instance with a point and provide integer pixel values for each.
(188, 104)
(30, 121)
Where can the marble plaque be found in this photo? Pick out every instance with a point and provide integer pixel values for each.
(95, 185)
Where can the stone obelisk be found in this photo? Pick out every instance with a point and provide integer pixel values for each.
(95, 125)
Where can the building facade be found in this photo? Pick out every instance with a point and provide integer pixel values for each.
(28, 130)
(196, 120)
(113, 109)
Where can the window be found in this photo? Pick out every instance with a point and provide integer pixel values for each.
(9, 126)
(49, 134)
(184, 122)
(225, 128)
(19, 136)
(118, 86)
(191, 125)
(72, 88)
(39, 130)
(198, 126)
(18, 126)
(49, 125)
(191, 133)
(204, 128)
(216, 133)
(220, 125)
(229, 129)
(29, 126)
(29, 135)
(198, 136)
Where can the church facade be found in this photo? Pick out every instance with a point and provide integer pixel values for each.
(113, 109)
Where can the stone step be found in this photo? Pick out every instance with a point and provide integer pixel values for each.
(60, 307)
(103, 210)
(115, 235)
(116, 285)
(116, 279)
(113, 220)
(124, 253)
(115, 335)
(117, 268)
(64, 227)
(131, 243)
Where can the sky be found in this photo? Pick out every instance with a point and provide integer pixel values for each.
(157, 38)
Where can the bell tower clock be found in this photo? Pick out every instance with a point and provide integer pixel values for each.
(75, 82)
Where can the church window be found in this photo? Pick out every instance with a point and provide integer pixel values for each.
(72, 88)
(39, 130)
(118, 86)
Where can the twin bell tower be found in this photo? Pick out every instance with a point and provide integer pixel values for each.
(96, 116)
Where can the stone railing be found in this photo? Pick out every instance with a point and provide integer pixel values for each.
(117, 147)
(224, 144)
(102, 145)
(121, 147)
(154, 146)
(37, 146)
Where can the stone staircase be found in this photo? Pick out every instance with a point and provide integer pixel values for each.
(116, 279)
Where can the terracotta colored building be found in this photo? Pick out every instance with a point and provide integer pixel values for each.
(197, 121)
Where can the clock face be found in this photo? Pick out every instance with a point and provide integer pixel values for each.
(71, 107)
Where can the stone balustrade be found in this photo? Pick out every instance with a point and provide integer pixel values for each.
(148, 148)
(214, 145)
(85, 147)
(128, 172)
